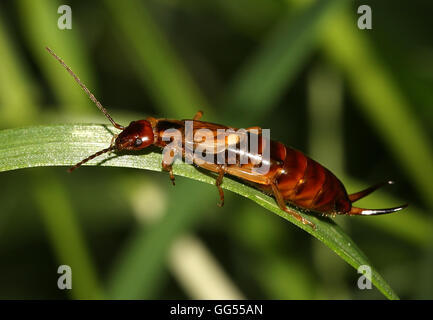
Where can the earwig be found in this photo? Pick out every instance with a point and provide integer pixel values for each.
(292, 176)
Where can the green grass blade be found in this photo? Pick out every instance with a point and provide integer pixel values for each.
(412, 227)
(137, 273)
(64, 145)
(18, 97)
(39, 20)
(266, 75)
(158, 67)
(381, 100)
(19, 101)
(66, 236)
(163, 74)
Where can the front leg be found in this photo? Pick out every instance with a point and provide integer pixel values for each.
(169, 168)
(167, 163)
(113, 140)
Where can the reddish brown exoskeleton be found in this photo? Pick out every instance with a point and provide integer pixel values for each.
(291, 177)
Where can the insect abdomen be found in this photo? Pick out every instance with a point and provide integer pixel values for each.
(307, 184)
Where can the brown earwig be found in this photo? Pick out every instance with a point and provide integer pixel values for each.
(292, 176)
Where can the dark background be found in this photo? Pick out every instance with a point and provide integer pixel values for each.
(358, 101)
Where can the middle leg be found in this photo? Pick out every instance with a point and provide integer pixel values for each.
(218, 182)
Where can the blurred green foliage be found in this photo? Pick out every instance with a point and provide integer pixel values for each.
(266, 63)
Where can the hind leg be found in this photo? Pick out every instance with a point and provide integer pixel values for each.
(283, 206)
(218, 183)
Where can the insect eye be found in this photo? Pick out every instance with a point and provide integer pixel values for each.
(138, 142)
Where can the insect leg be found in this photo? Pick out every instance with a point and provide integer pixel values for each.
(218, 182)
(255, 129)
(113, 139)
(198, 115)
(169, 168)
(282, 205)
(167, 162)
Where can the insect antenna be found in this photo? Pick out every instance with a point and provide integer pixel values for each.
(91, 96)
(97, 154)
